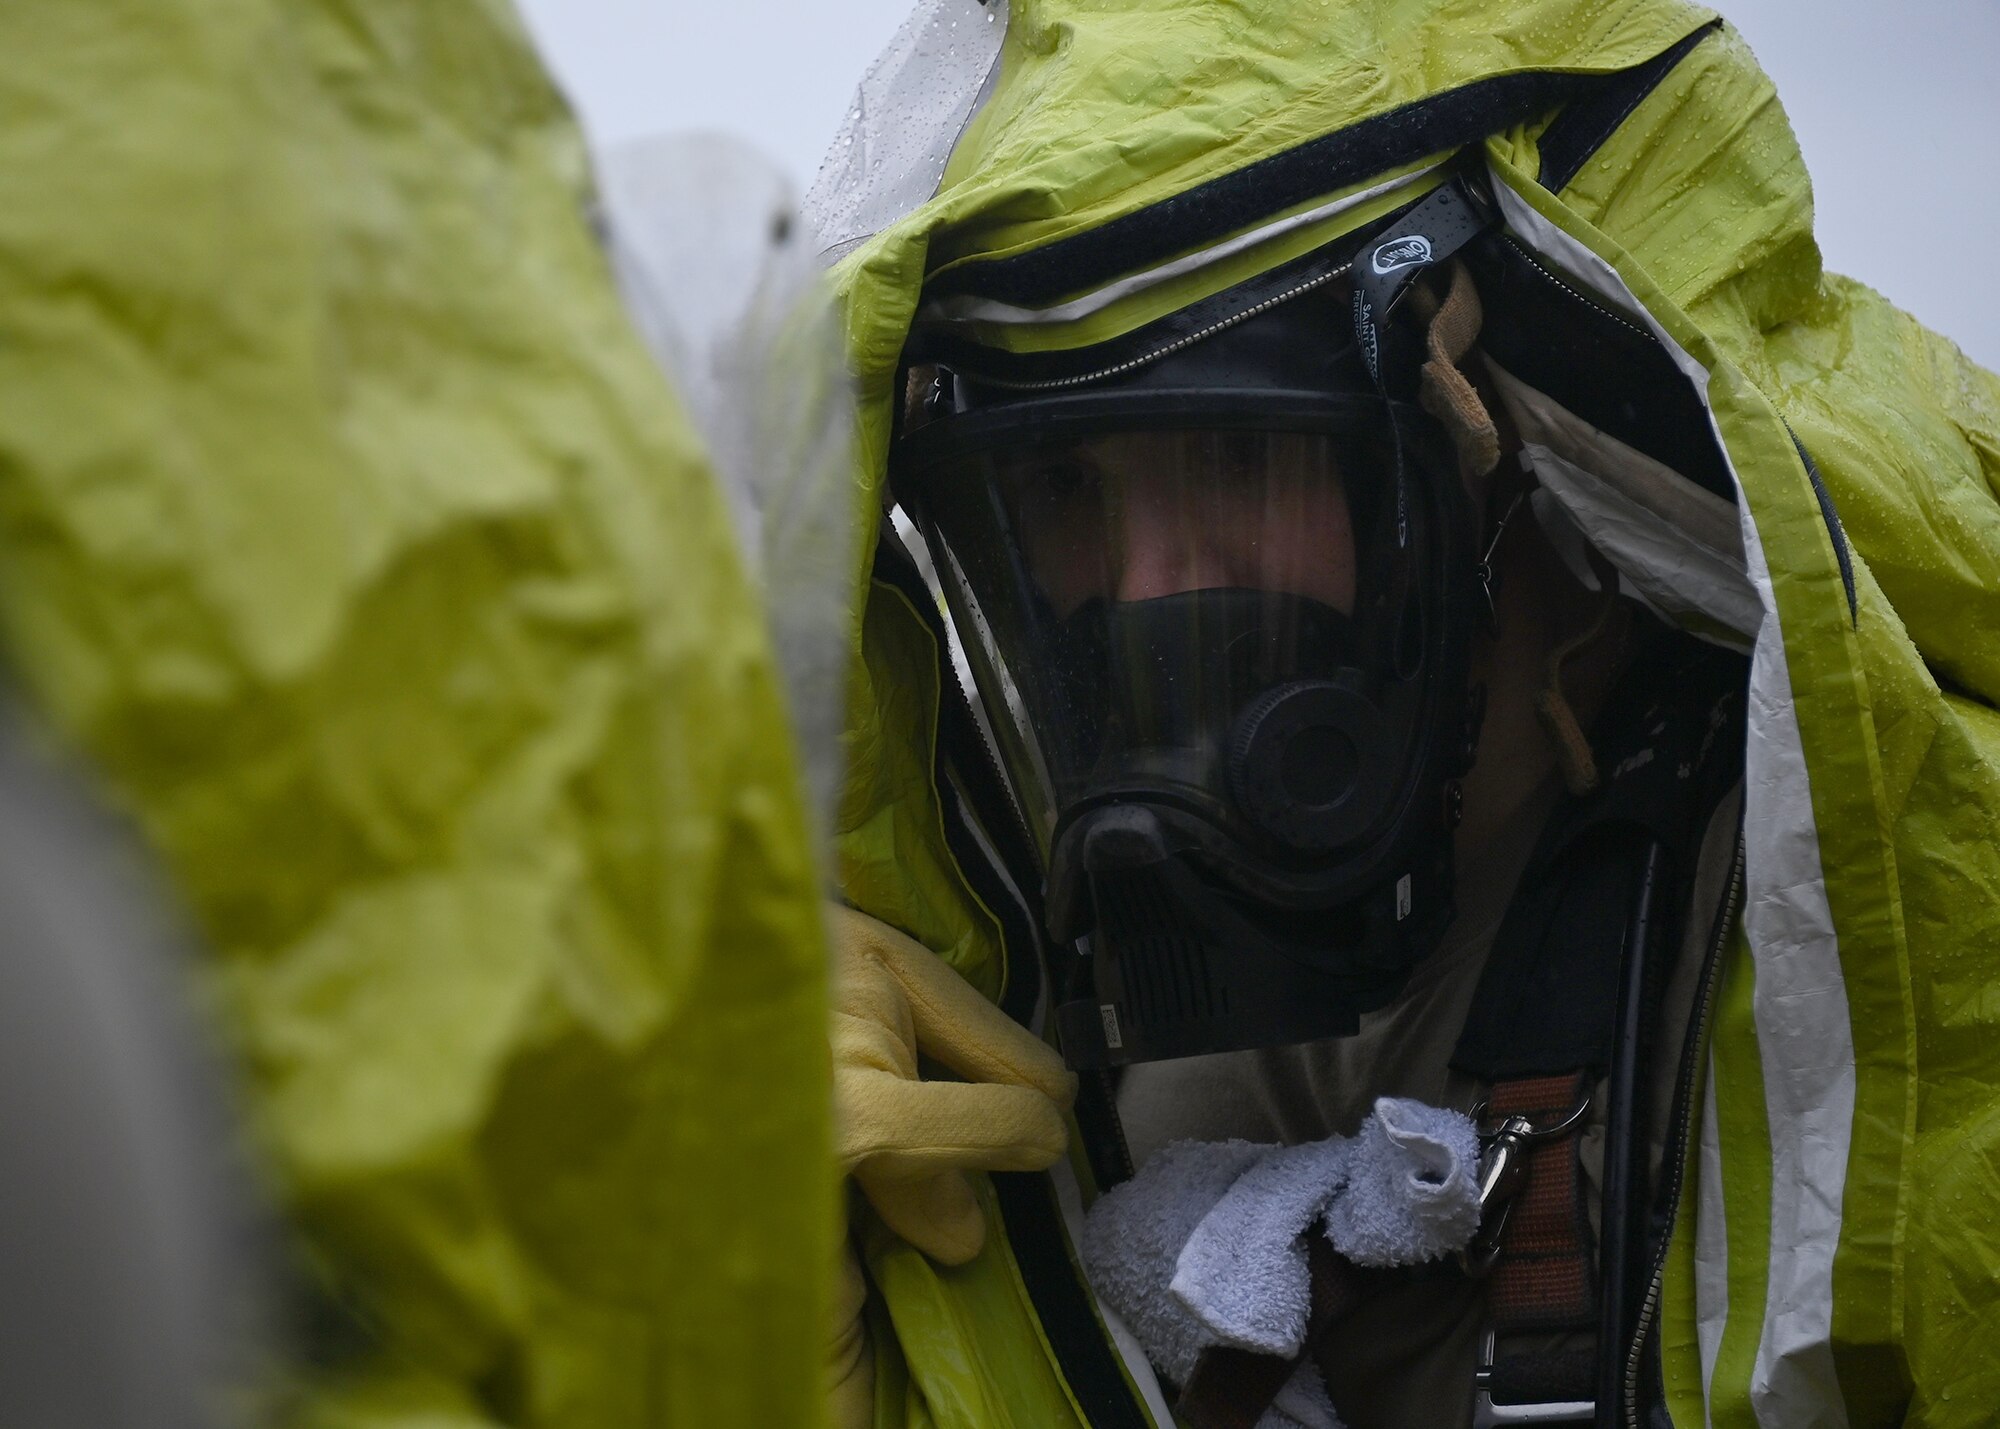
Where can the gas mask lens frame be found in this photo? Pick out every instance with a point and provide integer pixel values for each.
(1202, 642)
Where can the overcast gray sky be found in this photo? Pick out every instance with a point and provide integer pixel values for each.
(1896, 106)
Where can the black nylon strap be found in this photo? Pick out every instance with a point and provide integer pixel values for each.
(1450, 217)
(1437, 124)
(1585, 124)
(1427, 235)
(1668, 746)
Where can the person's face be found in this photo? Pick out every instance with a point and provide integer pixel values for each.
(1136, 516)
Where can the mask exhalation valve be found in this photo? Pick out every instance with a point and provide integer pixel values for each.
(1308, 763)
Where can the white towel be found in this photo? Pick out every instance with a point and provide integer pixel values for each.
(1205, 1246)
(1412, 1191)
(1134, 1234)
(1243, 1271)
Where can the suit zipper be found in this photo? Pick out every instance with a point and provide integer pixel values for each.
(981, 820)
(1111, 1162)
(1677, 1150)
(1148, 358)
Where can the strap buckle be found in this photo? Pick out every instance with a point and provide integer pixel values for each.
(1503, 1170)
(1488, 1415)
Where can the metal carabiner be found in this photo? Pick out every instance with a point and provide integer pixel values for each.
(1503, 1169)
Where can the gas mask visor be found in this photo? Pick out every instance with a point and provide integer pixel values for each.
(1219, 636)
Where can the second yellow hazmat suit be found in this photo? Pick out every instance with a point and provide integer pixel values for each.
(349, 531)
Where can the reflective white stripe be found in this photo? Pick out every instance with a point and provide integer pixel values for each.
(1139, 1366)
(1804, 1038)
(971, 309)
(1711, 1247)
(1803, 1035)
(908, 113)
(1069, 1196)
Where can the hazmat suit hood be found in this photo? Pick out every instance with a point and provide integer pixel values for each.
(1805, 473)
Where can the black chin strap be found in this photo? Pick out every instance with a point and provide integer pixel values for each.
(1384, 273)
(1385, 270)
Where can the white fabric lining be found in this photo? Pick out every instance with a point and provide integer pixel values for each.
(1662, 568)
(1069, 1198)
(1678, 549)
(965, 308)
(1708, 520)
(1711, 1247)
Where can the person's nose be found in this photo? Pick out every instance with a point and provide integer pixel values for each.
(1161, 552)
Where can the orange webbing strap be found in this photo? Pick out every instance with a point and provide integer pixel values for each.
(1544, 1278)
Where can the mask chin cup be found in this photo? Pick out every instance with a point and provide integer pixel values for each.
(1175, 966)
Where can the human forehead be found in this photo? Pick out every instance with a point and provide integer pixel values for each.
(1193, 451)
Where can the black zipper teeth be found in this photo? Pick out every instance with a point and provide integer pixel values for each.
(1145, 359)
(1107, 1083)
(1017, 828)
(1535, 261)
(1007, 838)
(992, 849)
(990, 762)
(1103, 1083)
(1133, 364)
(1676, 1152)
(1114, 1401)
(958, 725)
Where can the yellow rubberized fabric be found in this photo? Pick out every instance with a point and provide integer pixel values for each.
(978, 1319)
(1106, 109)
(348, 531)
(850, 1358)
(910, 1143)
(907, 1141)
(1836, 1260)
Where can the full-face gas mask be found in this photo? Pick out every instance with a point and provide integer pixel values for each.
(1217, 602)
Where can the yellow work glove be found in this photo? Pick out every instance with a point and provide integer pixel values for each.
(908, 1143)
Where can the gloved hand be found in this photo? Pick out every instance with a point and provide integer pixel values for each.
(908, 1142)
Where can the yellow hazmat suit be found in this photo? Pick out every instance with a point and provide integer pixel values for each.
(1050, 174)
(348, 529)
